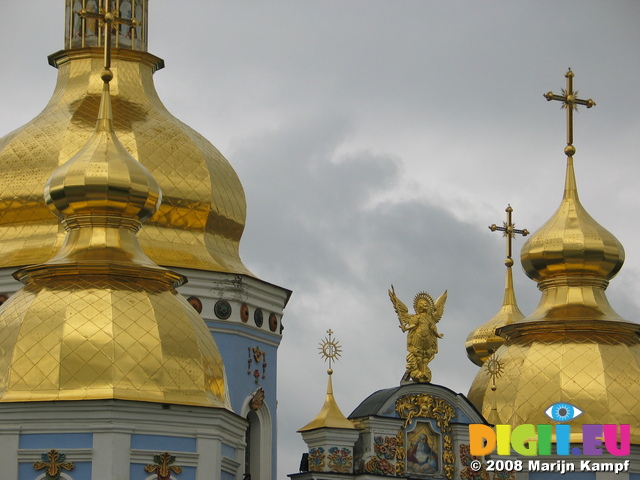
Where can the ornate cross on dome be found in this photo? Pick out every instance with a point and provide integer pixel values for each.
(570, 102)
(509, 232)
(109, 21)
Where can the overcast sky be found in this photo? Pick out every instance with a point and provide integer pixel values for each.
(375, 142)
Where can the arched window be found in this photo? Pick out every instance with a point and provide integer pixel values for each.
(259, 443)
(252, 448)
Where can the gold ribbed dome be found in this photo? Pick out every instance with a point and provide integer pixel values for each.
(574, 347)
(202, 216)
(100, 320)
(572, 243)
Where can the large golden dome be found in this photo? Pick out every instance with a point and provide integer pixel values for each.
(99, 320)
(202, 216)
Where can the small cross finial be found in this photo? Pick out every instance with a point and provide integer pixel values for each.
(330, 350)
(509, 232)
(570, 102)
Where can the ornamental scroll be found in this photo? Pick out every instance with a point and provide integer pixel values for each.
(422, 405)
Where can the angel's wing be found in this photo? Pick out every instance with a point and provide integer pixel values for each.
(400, 308)
(438, 307)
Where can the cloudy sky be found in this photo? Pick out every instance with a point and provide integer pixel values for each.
(376, 140)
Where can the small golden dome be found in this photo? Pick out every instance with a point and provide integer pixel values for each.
(483, 341)
(572, 242)
(103, 178)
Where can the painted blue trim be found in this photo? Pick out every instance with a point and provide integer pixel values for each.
(59, 441)
(163, 443)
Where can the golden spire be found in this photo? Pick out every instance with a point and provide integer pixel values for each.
(574, 347)
(100, 320)
(330, 415)
(483, 341)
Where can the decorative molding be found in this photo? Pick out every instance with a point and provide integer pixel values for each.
(316, 459)
(222, 309)
(257, 399)
(340, 460)
(273, 322)
(260, 358)
(230, 465)
(187, 459)
(163, 466)
(34, 455)
(196, 303)
(383, 461)
(423, 405)
(54, 462)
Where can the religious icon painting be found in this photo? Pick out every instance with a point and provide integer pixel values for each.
(423, 450)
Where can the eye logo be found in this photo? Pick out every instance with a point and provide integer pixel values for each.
(563, 412)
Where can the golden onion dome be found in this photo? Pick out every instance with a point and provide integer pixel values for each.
(484, 340)
(572, 242)
(100, 320)
(202, 216)
(102, 179)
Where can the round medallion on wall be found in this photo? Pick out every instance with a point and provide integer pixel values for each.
(258, 317)
(195, 303)
(244, 313)
(273, 322)
(222, 309)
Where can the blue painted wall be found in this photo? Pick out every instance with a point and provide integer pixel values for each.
(59, 441)
(163, 443)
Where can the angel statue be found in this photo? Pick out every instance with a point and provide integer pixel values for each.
(422, 339)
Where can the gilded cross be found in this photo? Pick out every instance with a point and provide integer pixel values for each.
(570, 102)
(109, 21)
(509, 232)
(163, 466)
(54, 462)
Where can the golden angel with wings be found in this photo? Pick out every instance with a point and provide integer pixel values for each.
(422, 337)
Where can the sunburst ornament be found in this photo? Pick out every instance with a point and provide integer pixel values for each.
(330, 350)
(495, 369)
